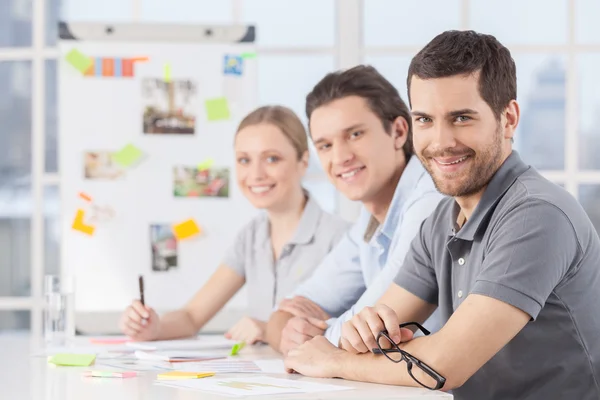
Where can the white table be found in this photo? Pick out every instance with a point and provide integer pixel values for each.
(24, 377)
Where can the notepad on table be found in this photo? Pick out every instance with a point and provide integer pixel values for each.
(177, 356)
(206, 343)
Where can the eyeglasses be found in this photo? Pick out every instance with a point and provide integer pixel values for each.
(387, 347)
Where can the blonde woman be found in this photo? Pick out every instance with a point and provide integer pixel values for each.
(273, 253)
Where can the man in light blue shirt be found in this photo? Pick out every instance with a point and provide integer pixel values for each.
(361, 129)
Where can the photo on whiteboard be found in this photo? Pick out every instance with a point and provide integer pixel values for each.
(194, 182)
(164, 247)
(169, 106)
(100, 165)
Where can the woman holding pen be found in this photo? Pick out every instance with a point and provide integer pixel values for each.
(273, 253)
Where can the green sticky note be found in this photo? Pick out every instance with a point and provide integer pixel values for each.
(217, 109)
(127, 156)
(237, 347)
(72, 360)
(248, 55)
(206, 164)
(167, 72)
(77, 59)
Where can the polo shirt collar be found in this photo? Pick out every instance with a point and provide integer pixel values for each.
(503, 179)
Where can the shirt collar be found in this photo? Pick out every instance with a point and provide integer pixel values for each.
(305, 231)
(412, 174)
(503, 179)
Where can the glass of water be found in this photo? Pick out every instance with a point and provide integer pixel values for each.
(59, 310)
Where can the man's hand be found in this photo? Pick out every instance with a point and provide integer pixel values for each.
(302, 307)
(299, 330)
(359, 335)
(317, 358)
(247, 330)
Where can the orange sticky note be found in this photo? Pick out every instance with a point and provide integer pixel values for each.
(186, 229)
(172, 375)
(85, 196)
(80, 226)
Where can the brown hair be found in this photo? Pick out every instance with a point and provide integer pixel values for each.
(366, 82)
(283, 118)
(466, 52)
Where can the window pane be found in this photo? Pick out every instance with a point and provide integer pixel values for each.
(408, 22)
(51, 230)
(187, 11)
(586, 23)
(51, 125)
(276, 87)
(290, 23)
(15, 170)
(52, 18)
(589, 197)
(15, 23)
(15, 320)
(588, 82)
(97, 11)
(540, 136)
(323, 192)
(525, 23)
(394, 69)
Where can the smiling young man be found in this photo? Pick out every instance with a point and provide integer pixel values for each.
(362, 132)
(511, 260)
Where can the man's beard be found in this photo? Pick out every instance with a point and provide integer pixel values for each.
(483, 166)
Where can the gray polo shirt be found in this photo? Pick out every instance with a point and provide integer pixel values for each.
(269, 280)
(530, 244)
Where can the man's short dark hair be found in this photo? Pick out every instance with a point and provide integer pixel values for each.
(466, 52)
(366, 82)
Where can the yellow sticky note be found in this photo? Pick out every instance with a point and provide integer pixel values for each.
(217, 109)
(81, 226)
(167, 72)
(127, 156)
(72, 360)
(173, 375)
(186, 229)
(206, 164)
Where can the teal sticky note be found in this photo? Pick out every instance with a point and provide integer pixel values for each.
(77, 59)
(127, 156)
(217, 109)
(237, 347)
(72, 360)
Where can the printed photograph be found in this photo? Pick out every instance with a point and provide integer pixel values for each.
(169, 106)
(100, 165)
(193, 182)
(164, 247)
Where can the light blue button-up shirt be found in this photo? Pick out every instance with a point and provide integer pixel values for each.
(362, 266)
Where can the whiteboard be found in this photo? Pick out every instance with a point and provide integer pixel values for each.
(102, 109)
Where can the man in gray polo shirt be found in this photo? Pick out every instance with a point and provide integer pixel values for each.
(511, 260)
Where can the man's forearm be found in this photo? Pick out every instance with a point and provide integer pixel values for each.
(378, 368)
(276, 323)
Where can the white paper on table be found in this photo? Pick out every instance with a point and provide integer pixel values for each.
(178, 355)
(221, 366)
(252, 386)
(274, 366)
(101, 351)
(202, 343)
